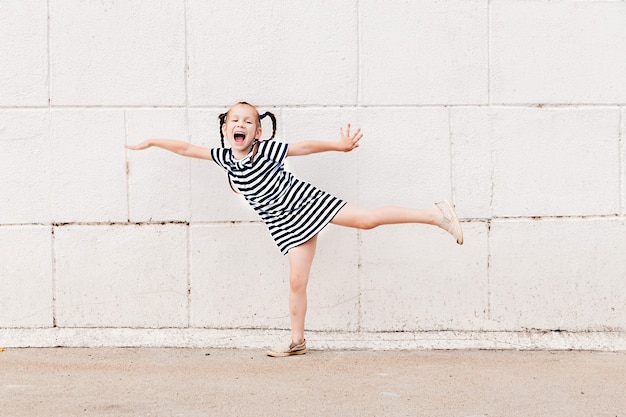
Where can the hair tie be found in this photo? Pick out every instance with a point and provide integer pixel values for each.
(261, 117)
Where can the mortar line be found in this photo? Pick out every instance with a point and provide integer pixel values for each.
(358, 52)
(188, 254)
(48, 52)
(127, 168)
(359, 308)
(53, 255)
(259, 222)
(488, 270)
(54, 275)
(620, 150)
(189, 165)
(564, 106)
(451, 146)
(489, 52)
(186, 69)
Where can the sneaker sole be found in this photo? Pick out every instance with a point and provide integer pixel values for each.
(285, 354)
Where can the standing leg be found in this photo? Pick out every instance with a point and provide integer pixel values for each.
(300, 260)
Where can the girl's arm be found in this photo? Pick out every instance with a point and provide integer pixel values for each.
(176, 146)
(346, 143)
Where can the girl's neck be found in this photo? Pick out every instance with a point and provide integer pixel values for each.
(239, 156)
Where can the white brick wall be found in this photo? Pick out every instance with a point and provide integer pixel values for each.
(514, 109)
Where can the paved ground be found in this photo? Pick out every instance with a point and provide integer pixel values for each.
(201, 382)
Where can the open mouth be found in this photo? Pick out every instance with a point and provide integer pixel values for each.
(239, 137)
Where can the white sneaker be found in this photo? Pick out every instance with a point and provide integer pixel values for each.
(292, 349)
(450, 223)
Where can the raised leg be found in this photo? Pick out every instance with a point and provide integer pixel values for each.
(360, 218)
(441, 214)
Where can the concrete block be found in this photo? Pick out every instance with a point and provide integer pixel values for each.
(333, 290)
(558, 274)
(122, 276)
(212, 199)
(335, 172)
(158, 180)
(24, 48)
(24, 167)
(472, 161)
(415, 277)
(26, 290)
(286, 52)
(555, 162)
(88, 166)
(558, 52)
(404, 158)
(424, 52)
(117, 53)
(240, 279)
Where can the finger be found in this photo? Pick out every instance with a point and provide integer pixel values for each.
(348, 130)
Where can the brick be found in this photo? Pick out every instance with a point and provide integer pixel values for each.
(415, 277)
(555, 162)
(558, 274)
(25, 167)
(24, 48)
(285, 53)
(405, 156)
(335, 172)
(88, 166)
(238, 277)
(121, 276)
(472, 160)
(26, 270)
(560, 52)
(230, 292)
(423, 52)
(158, 180)
(117, 53)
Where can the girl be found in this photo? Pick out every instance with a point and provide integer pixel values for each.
(294, 211)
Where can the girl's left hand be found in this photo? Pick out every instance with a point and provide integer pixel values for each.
(140, 146)
(349, 141)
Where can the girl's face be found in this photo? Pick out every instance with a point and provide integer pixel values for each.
(242, 128)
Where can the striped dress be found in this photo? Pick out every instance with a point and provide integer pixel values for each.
(293, 210)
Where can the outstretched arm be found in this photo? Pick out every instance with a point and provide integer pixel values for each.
(346, 143)
(176, 146)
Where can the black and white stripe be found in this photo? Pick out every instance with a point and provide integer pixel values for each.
(293, 210)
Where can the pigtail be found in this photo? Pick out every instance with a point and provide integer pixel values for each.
(222, 119)
(271, 115)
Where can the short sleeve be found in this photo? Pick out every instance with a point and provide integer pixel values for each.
(218, 155)
(273, 150)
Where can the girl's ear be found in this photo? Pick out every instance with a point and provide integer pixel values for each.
(259, 131)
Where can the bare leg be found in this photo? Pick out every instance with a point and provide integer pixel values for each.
(441, 214)
(360, 218)
(300, 260)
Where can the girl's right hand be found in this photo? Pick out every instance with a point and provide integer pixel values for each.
(140, 146)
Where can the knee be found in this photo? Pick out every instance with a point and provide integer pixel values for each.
(297, 282)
